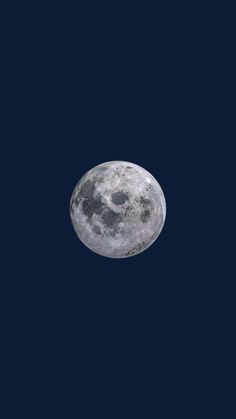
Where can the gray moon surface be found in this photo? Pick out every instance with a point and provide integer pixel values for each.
(118, 209)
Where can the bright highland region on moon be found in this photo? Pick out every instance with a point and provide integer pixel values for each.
(118, 209)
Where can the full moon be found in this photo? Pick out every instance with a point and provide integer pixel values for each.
(118, 209)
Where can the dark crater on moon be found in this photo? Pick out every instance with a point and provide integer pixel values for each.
(145, 216)
(90, 204)
(96, 230)
(111, 219)
(129, 211)
(144, 201)
(119, 198)
(93, 205)
(146, 205)
(87, 189)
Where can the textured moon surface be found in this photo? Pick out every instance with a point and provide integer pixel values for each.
(118, 209)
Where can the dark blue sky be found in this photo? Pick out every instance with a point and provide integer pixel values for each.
(115, 337)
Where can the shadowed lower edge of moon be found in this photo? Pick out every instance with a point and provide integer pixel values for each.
(136, 250)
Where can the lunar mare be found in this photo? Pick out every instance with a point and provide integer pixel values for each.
(118, 209)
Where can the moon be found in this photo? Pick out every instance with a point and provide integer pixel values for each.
(118, 209)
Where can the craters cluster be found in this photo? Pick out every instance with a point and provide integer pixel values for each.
(146, 209)
(111, 219)
(92, 206)
(96, 210)
(145, 215)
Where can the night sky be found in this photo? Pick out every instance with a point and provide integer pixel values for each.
(99, 337)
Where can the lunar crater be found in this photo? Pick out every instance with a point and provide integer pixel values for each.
(145, 216)
(92, 206)
(144, 201)
(119, 198)
(111, 219)
(87, 189)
